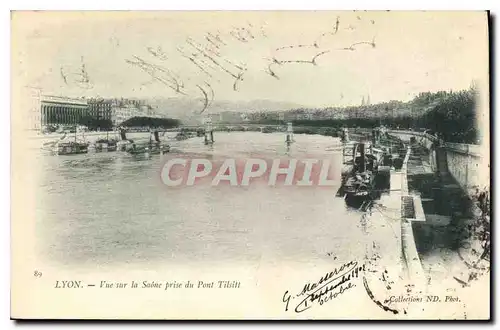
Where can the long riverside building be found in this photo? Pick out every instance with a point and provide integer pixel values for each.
(59, 110)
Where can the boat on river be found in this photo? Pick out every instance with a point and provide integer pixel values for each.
(184, 135)
(152, 148)
(149, 149)
(71, 148)
(65, 147)
(364, 174)
(106, 144)
(124, 144)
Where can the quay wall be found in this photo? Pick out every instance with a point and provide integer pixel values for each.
(90, 136)
(409, 247)
(468, 164)
(424, 139)
(36, 141)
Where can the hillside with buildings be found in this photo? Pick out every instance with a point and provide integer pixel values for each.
(188, 109)
(450, 113)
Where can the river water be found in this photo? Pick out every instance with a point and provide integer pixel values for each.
(109, 208)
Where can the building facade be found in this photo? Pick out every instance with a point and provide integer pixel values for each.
(100, 109)
(121, 113)
(57, 110)
(29, 106)
(40, 110)
(124, 109)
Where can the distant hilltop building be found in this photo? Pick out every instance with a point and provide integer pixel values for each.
(228, 117)
(302, 116)
(365, 101)
(124, 109)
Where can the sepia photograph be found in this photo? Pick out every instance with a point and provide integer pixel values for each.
(250, 165)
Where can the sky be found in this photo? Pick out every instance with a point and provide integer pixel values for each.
(412, 52)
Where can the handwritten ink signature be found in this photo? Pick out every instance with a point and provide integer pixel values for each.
(327, 288)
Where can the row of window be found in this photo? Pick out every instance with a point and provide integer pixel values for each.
(71, 114)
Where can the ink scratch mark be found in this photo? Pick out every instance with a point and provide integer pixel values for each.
(207, 56)
(241, 67)
(352, 47)
(212, 42)
(238, 79)
(296, 61)
(170, 81)
(212, 93)
(464, 284)
(335, 30)
(205, 95)
(206, 102)
(270, 71)
(217, 38)
(378, 303)
(295, 46)
(192, 60)
(63, 76)
(157, 53)
(371, 43)
(313, 61)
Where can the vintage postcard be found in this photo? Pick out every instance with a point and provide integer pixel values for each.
(243, 165)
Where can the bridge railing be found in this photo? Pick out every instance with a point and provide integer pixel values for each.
(424, 135)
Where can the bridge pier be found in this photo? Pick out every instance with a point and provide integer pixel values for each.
(289, 135)
(209, 132)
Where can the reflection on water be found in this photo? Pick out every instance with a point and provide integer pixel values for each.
(112, 207)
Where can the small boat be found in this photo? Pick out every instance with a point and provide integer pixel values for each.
(358, 175)
(106, 144)
(182, 136)
(49, 146)
(62, 147)
(124, 144)
(359, 185)
(209, 137)
(71, 148)
(151, 148)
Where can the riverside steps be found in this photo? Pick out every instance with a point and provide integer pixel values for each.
(449, 212)
(393, 262)
(444, 235)
(394, 213)
(431, 200)
(411, 210)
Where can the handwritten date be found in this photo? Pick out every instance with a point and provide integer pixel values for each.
(327, 288)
